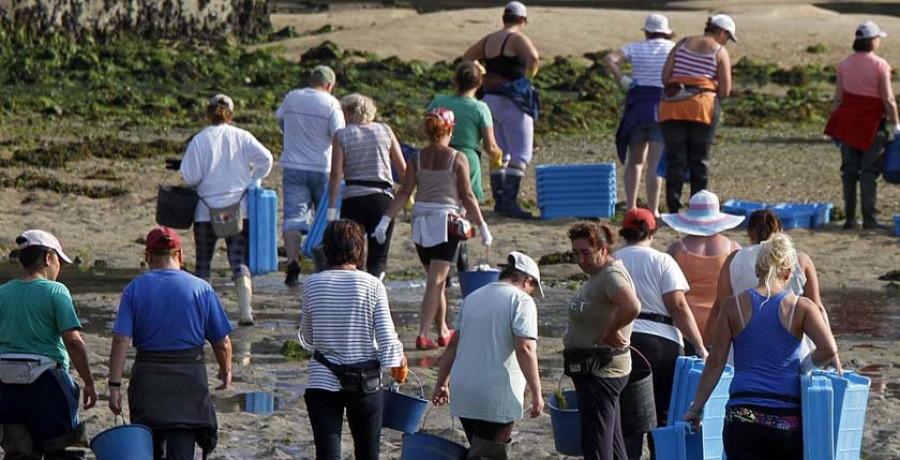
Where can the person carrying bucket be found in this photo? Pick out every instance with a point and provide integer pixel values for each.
(595, 353)
(309, 117)
(169, 314)
(496, 324)
(862, 99)
(39, 330)
(221, 162)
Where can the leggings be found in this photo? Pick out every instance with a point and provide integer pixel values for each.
(238, 255)
(513, 128)
(367, 210)
(601, 424)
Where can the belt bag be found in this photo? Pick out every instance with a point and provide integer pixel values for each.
(358, 378)
(459, 227)
(675, 92)
(228, 220)
(582, 362)
(23, 369)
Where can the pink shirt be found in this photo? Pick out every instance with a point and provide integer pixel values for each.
(861, 74)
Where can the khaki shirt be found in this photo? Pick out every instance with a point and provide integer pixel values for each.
(592, 310)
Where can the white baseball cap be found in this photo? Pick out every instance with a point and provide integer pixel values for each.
(516, 9)
(656, 23)
(724, 22)
(869, 29)
(221, 99)
(526, 265)
(42, 238)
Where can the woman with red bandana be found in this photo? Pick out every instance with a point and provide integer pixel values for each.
(441, 175)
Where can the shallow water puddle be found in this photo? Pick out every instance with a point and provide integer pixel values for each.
(863, 313)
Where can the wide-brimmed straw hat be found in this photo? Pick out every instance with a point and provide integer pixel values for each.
(703, 217)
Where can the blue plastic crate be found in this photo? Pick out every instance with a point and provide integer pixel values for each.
(896, 224)
(820, 213)
(317, 229)
(577, 211)
(794, 215)
(824, 214)
(742, 208)
(574, 183)
(818, 417)
(671, 441)
(577, 195)
(708, 443)
(575, 169)
(586, 199)
(262, 207)
(851, 399)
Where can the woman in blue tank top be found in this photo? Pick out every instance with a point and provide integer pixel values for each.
(765, 326)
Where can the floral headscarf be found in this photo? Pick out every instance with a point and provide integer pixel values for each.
(444, 114)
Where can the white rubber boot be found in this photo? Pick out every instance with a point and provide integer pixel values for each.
(244, 294)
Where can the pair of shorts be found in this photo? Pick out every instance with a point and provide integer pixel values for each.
(647, 132)
(303, 190)
(444, 251)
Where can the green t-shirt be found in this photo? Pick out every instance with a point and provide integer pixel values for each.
(33, 315)
(591, 311)
(471, 117)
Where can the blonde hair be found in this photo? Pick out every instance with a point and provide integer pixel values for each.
(358, 108)
(776, 255)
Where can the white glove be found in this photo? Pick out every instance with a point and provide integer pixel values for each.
(486, 237)
(896, 131)
(333, 214)
(625, 81)
(380, 232)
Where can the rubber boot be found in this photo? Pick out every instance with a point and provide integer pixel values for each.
(244, 294)
(292, 242)
(485, 449)
(849, 203)
(68, 446)
(497, 179)
(510, 206)
(868, 191)
(17, 443)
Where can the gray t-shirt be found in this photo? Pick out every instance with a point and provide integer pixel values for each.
(486, 382)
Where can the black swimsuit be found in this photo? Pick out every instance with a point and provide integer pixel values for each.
(508, 67)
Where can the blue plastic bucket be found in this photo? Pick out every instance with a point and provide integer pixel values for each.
(566, 424)
(401, 412)
(124, 442)
(424, 446)
(470, 281)
(891, 171)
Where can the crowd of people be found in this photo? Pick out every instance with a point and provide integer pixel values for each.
(757, 307)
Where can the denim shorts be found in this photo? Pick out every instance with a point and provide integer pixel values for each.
(647, 132)
(303, 190)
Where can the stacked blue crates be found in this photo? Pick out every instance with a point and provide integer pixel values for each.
(707, 444)
(834, 414)
(792, 215)
(579, 191)
(262, 207)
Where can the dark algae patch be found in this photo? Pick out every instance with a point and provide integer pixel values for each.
(66, 101)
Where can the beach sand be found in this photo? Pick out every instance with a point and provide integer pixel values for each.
(770, 165)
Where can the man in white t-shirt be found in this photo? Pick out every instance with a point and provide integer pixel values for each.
(491, 358)
(309, 117)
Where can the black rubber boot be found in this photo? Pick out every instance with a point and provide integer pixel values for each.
(484, 449)
(292, 275)
(510, 206)
(497, 180)
(849, 203)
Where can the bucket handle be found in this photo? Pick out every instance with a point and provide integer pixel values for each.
(425, 420)
(421, 386)
(641, 355)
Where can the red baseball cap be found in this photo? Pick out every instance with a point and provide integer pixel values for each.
(162, 239)
(635, 216)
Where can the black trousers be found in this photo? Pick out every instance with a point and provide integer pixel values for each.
(367, 211)
(862, 168)
(326, 415)
(174, 444)
(687, 150)
(601, 424)
(662, 354)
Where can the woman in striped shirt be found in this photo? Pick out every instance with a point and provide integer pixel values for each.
(345, 318)
(361, 154)
(697, 74)
(639, 127)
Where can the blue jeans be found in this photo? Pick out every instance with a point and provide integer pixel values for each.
(303, 190)
(326, 415)
(48, 406)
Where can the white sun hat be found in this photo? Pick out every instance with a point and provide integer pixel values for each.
(702, 217)
(656, 23)
(726, 23)
(869, 29)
